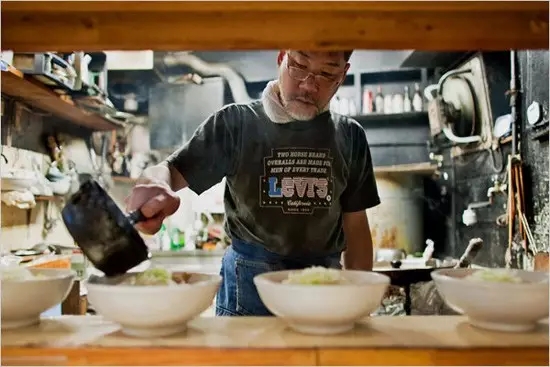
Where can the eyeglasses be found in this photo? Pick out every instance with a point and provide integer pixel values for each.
(300, 74)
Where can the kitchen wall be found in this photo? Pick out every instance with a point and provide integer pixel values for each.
(534, 77)
(470, 178)
(22, 144)
(468, 181)
(23, 131)
(24, 228)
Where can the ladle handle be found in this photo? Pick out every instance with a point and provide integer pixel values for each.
(136, 217)
(474, 246)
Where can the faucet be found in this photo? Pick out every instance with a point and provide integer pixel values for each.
(469, 216)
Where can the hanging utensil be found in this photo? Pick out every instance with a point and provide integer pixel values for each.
(516, 208)
(540, 257)
(520, 202)
(532, 245)
(49, 219)
(104, 233)
(473, 248)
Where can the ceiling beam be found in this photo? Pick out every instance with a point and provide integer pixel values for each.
(34, 26)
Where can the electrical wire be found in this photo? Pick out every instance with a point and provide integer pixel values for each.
(497, 168)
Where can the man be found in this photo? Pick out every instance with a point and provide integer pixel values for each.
(298, 180)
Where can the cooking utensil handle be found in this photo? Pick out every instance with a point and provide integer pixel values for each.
(136, 217)
(470, 253)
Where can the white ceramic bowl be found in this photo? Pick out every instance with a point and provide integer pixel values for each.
(513, 307)
(24, 300)
(152, 311)
(322, 309)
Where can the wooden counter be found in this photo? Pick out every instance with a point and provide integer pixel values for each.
(384, 340)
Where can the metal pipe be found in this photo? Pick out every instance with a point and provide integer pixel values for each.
(460, 139)
(447, 75)
(513, 102)
(496, 188)
(480, 204)
(454, 231)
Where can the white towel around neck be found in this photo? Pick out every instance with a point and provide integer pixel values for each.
(272, 104)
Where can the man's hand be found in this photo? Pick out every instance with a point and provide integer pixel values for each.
(156, 202)
(154, 196)
(359, 252)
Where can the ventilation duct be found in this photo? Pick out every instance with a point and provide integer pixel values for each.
(236, 83)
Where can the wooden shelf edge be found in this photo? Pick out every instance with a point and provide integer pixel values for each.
(124, 179)
(16, 85)
(425, 168)
(391, 120)
(47, 198)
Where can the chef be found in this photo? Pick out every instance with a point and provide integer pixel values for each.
(298, 180)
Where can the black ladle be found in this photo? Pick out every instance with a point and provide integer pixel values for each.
(104, 233)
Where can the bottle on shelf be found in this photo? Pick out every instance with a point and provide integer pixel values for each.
(352, 108)
(379, 101)
(335, 104)
(388, 104)
(407, 103)
(397, 103)
(344, 107)
(177, 239)
(368, 102)
(163, 237)
(417, 102)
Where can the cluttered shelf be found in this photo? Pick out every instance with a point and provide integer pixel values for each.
(404, 119)
(16, 84)
(124, 179)
(45, 197)
(423, 168)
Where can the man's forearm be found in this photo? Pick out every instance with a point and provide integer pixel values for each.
(359, 248)
(359, 256)
(159, 173)
(163, 173)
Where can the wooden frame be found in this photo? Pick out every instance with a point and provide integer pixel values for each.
(230, 25)
(352, 356)
(245, 341)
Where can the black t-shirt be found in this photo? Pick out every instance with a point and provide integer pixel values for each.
(287, 185)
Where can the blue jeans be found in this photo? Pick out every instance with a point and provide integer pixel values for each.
(241, 262)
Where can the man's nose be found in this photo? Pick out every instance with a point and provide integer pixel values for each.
(309, 84)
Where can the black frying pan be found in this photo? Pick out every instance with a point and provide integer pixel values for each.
(104, 233)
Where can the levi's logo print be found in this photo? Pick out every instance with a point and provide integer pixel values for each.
(297, 180)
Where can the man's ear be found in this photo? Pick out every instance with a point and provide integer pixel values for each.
(344, 76)
(280, 57)
(346, 68)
